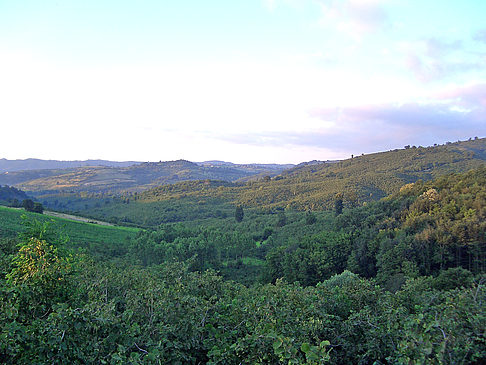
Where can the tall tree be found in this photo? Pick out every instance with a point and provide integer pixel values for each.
(28, 205)
(239, 213)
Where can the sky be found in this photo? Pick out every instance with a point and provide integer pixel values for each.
(269, 81)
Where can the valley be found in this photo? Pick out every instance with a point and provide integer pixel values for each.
(341, 262)
(267, 182)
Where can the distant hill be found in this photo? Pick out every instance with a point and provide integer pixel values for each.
(134, 178)
(315, 185)
(365, 178)
(308, 186)
(37, 164)
(249, 166)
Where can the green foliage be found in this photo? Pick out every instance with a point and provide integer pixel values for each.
(150, 214)
(282, 219)
(31, 206)
(38, 208)
(442, 327)
(311, 260)
(452, 278)
(167, 314)
(11, 196)
(338, 205)
(40, 277)
(28, 205)
(399, 281)
(310, 218)
(41, 230)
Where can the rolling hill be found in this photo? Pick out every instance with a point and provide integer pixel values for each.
(363, 178)
(312, 186)
(134, 178)
(360, 179)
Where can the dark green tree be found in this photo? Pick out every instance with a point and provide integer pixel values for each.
(239, 213)
(338, 204)
(28, 205)
(38, 208)
(282, 219)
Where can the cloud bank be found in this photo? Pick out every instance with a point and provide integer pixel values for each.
(455, 114)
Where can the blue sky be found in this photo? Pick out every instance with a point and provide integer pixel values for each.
(244, 81)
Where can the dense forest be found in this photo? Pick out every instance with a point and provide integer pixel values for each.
(400, 280)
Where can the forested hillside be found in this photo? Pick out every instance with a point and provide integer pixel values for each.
(314, 186)
(397, 281)
(11, 196)
(363, 178)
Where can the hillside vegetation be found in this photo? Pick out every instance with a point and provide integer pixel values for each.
(396, 281)
(11, 196)
(362, 178)
(313, 187)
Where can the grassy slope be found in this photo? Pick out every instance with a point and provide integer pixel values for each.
(80, 234)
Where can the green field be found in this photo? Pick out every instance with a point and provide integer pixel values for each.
(95, 237)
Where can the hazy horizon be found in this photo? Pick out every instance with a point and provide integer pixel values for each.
(228, 161)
